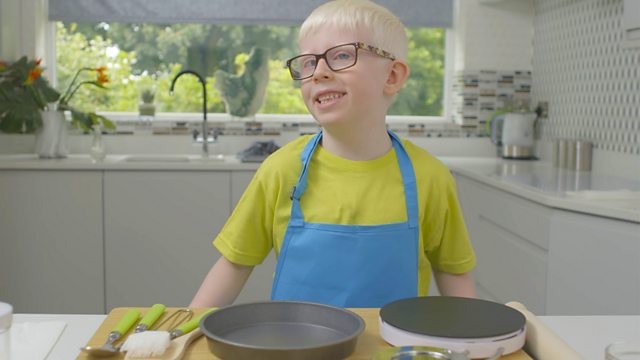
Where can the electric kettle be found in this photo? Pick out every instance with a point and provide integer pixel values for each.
(513, 134)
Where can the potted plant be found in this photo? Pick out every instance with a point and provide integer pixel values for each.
(24, 94)
(87, 121)
(29, 104)
(146, 108)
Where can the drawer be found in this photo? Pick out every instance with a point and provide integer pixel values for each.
(519, 216)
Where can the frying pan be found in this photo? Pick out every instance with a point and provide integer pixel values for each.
(282, 330)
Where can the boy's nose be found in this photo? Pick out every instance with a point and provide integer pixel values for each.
(322, 71)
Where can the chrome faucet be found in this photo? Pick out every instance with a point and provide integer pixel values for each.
(205, 131)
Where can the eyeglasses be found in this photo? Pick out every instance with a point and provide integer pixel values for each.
(337, 58)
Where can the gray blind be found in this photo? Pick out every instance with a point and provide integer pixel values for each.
(424, 13)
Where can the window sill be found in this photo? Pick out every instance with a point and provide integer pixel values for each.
(264, 118)
(272, 124)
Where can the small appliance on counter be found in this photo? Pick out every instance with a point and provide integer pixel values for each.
(462, 326)
(513, 134)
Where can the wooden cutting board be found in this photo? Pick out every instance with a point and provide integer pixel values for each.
(369, 343)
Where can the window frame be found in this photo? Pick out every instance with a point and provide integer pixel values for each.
(50, 53)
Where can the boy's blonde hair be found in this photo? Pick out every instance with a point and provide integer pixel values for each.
(388, 31)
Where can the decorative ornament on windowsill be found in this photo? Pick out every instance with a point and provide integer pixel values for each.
(243, 94)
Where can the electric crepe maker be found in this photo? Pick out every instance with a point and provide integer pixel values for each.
(479, 328)
(282, 330)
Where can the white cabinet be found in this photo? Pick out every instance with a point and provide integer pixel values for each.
(158, 231)
(556, 262)
(510, 236)
(594, 266)
(51, 258)
(88, 241)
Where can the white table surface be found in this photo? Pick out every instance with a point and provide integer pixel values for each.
(588, 335)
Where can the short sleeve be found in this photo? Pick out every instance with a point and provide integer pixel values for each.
(447, 246)
(246, 237)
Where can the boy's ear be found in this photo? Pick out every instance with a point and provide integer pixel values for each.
(398, 75)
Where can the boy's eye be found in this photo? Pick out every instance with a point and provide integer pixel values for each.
(342, 55)
(308, 62)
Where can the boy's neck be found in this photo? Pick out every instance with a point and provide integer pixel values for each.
(359, 145)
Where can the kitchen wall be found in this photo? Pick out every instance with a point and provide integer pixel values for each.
(579, 66)
(493, 35)
(22, 29)
(591, 81)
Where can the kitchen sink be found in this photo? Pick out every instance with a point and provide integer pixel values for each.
(172, 158)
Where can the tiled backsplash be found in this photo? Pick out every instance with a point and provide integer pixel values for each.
(478, 94)
(591, 82)
(412, 128)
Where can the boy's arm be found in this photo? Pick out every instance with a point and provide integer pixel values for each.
(455, 284)
(222, 284)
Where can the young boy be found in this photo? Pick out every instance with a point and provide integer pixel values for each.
(356, 216)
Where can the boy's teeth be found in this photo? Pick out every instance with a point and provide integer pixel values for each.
(328, 97)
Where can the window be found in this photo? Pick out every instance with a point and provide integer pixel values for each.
(144, 44)
(147, 56)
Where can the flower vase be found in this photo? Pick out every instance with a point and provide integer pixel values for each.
(51, 138)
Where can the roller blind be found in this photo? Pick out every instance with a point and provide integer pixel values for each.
(422, 13)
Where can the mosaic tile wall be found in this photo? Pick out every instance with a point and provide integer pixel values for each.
(478, 94)
(591, 82)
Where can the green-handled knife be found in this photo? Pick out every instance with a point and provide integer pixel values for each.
(150, 317)
(125, 323)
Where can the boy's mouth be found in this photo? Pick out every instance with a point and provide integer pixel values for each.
(326, 98)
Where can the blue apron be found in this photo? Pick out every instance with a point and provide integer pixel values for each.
(354, 266)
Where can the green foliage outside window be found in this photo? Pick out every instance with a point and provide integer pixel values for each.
(134, 53)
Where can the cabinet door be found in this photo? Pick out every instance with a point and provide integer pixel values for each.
(51, 257)
(594, 266)
(258, 287)
(509, 235)
(158, 231)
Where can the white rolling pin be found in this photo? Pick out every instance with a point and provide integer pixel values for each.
(541, 341)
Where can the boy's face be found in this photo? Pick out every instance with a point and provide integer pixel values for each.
(353, 95)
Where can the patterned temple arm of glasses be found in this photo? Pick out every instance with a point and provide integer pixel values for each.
(375, 50)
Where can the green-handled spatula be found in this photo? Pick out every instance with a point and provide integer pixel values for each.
(125, 323)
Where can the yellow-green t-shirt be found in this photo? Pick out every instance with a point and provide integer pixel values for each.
(341, 191)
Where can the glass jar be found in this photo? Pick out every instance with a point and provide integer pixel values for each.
(98, 150)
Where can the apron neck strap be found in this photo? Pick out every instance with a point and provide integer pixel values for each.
(406, 170)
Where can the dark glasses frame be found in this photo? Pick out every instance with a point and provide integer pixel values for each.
(357, 45)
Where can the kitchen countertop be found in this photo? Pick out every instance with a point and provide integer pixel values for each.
(585, 192)
(143, 162)
(588, 335)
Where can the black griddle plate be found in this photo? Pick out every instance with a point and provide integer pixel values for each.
(452, 317)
